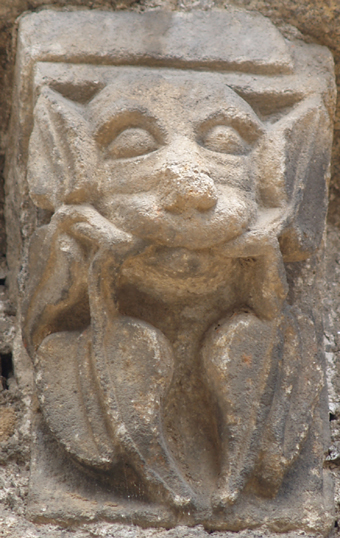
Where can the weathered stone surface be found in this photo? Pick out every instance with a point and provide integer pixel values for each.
(8, 420)
(168, 296)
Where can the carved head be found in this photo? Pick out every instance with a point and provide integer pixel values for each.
(190, 157)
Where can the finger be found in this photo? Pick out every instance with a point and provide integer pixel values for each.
(264, 283)
(58, 273)
(87, 225)
(97, 234)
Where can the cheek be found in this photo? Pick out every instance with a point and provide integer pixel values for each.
(235, 172)
(269, 168)
(128, 177)
(146, 173)
(236, 210)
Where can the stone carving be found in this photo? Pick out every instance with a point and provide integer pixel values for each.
(170, 306)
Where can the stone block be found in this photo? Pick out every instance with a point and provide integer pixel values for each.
(167, 183)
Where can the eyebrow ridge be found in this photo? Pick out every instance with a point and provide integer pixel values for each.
(121, 118)
(250, 128)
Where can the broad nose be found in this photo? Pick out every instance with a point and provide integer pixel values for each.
(185, 185)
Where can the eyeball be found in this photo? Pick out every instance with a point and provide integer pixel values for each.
(225, 139)
(132, 142)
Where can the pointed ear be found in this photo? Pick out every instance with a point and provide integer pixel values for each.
(308, 155)
(293, 163)
(62, 154)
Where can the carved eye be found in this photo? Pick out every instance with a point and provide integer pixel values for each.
(225, 139)
(131, 143)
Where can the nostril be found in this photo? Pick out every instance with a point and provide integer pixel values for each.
(207, 199)
(191, 191)
(202, 199)
(207, 202)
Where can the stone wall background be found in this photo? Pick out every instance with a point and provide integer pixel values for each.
(311, 20)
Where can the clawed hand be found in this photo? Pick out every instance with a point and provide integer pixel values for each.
(86, 224)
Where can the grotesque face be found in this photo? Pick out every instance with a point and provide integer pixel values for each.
(179, 158)
(175, 153)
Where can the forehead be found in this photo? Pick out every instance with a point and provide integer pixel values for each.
(102, 83)
(166, 90)
(179, 84)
